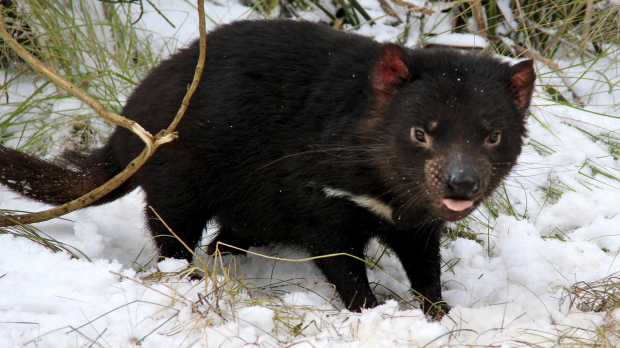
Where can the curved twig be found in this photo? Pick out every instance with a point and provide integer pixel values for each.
(151, 142)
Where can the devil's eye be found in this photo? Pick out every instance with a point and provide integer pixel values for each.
(418, 135)
(494, 138)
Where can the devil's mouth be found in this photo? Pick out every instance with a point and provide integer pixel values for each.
(456, 204)
(454, 209)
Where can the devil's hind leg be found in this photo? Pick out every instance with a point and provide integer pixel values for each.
(181, 210)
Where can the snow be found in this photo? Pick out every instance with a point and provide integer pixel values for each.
(459, 40)
(505, 286)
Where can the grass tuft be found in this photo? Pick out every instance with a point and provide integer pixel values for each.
(602, 295)
(92, 44)
(37, 236)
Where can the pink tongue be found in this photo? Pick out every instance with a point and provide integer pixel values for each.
(456, 204)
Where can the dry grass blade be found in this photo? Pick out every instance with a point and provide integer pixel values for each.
(598, 296)
(413, 7)
(478, 13)
(587, 21)
(390, 11)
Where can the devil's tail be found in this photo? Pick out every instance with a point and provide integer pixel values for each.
(62, 180)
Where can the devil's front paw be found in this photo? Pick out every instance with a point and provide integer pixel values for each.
(435, 310)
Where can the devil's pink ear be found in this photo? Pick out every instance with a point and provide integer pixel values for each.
(522, 78)
(391, 70)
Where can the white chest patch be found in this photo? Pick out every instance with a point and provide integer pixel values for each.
(374, 205)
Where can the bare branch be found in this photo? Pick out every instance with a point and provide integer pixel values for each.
(199, 67)
(152, 142)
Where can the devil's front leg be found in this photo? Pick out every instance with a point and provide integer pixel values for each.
(338, 226)
(346, 272)
(418, 251)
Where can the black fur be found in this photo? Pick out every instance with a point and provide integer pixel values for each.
(294, 123)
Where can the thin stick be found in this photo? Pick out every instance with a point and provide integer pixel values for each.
(199, 68)
(10, 220)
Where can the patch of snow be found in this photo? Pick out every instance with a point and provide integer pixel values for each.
(459, 40)
(505, 286)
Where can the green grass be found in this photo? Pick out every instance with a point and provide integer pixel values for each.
(37, 236)
(103, 54)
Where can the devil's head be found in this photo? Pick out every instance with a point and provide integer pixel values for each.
(450, 126)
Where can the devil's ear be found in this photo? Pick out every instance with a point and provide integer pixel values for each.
(522, 78)
(390, 70)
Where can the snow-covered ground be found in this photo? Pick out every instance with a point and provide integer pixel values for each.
(506, 287)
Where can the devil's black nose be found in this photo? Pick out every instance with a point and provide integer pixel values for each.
(463, 182)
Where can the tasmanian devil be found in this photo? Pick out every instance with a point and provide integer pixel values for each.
(314, 138)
